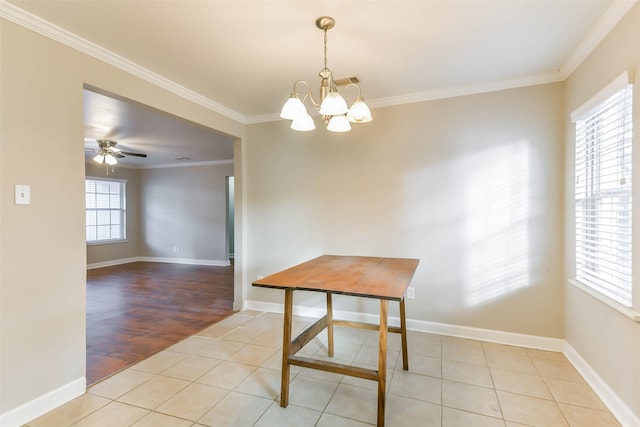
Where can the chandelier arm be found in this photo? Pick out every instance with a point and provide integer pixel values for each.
(306, 83)
(354, 85)
(313, 101)
(308, 93)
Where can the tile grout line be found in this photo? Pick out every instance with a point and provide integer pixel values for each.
(362, 349)
(495, 391)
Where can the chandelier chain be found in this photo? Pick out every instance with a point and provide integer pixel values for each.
(325, 48)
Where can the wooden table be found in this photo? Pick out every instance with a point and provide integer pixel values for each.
(385, 279)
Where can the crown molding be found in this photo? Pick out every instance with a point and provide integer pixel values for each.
(47, 29)
(605, 24)
(444, 93)
(188, 164)
(473, 89)
(172, 165)
(263, 118)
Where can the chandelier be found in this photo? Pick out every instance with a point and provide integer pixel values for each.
(331, 105)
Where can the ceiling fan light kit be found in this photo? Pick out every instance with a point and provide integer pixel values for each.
(332, 106)
(105, 158)
(108, 153)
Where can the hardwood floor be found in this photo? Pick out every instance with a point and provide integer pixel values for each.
(136, 310)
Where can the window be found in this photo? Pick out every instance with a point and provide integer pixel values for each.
(105, 210)
(603, 193)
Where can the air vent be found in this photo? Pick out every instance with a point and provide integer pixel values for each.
(346, 80)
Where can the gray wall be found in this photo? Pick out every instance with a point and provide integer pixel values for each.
(185, 207)
(182, 207)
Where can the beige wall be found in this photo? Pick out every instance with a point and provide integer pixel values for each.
(185, 207)
(42, 275)
(608, 341)
(130, 248)
(468, 185)
(43, 254)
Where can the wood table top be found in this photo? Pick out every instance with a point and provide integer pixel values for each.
(373, 277)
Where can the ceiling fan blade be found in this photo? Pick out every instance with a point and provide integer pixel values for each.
(128, 153)
(117, 154)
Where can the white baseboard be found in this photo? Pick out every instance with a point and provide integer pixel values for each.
(211, 262)
(489, 335)
(43, 404)
(500, 337)
(618, 408)
(214, 263)
(111, 263)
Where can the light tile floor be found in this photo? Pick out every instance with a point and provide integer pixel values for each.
(229, 375)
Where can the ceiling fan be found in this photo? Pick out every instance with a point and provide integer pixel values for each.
(108, 152)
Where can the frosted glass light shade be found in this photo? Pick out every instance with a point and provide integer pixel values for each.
(303, 123)
(333, 104)
(359, 112)
(110, 160)
(99, 158)
(339, 124)
(293, 108)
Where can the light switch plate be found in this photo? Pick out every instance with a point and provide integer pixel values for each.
(23, 194)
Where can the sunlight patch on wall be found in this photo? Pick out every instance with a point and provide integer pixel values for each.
(497, 211)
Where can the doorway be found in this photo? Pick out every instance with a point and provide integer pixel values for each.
(230, 186)
(175, 210)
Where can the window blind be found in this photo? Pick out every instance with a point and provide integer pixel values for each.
(603, 196)
(105, 210)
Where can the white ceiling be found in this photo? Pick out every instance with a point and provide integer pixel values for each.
(167, 140)
(242, 57)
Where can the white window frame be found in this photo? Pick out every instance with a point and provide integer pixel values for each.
(605, 274)
(121, 212)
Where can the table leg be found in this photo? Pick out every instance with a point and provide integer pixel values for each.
(403, 333)
(382, 361)
(329, 325)
(286, 346)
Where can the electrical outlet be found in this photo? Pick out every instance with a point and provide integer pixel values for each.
(411, 293)
(176, 249)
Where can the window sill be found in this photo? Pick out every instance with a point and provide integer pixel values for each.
(106, 242)
(629, 312)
